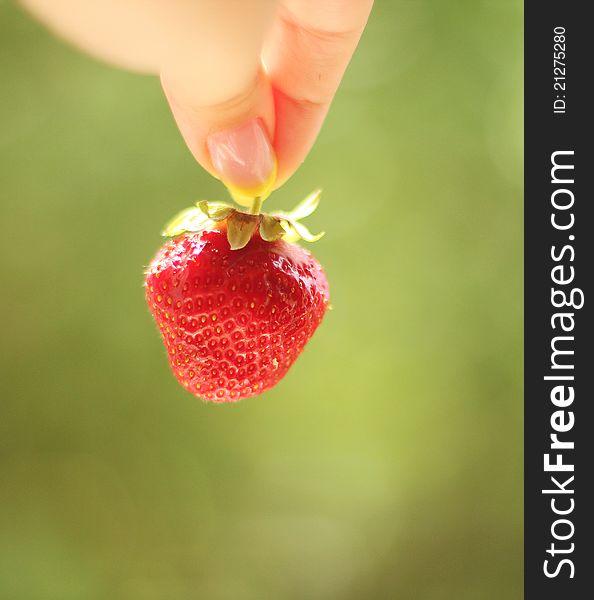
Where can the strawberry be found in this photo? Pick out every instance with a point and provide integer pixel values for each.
(234, 320)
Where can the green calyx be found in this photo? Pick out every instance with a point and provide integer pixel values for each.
(242, 225)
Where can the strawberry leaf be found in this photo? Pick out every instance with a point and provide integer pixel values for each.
(241, 225)
(217, 211)
(240, 228)
(291, 234)
(304, 233)
(271, 228)
(306, 207)
(187, 221)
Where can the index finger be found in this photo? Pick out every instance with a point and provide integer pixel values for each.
(306, 54)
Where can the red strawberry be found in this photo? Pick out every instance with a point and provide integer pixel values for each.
(234, 321)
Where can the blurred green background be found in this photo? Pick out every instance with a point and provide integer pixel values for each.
(388, 463)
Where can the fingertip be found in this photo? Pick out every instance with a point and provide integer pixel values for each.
(244, 159)
(230, 139)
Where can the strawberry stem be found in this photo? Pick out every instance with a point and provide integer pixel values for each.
(256, 205)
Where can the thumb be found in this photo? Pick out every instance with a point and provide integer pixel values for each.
(222, 100)
(231, 139)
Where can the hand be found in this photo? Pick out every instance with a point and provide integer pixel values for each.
(249, 82)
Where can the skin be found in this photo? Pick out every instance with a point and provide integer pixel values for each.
(224, 62)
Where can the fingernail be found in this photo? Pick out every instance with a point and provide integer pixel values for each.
(244, 159)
